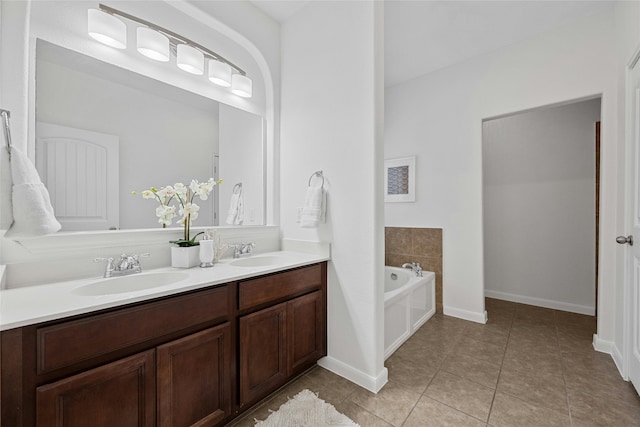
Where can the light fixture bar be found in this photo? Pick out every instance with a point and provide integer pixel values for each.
(173, 37)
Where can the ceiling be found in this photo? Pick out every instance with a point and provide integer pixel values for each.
(424, 36)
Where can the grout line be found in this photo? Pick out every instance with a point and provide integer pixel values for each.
(504, 355)
(562, 364)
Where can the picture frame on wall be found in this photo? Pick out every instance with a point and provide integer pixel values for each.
(400, 179)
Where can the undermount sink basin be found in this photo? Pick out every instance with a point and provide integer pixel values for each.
(262, 261)
(135, 282)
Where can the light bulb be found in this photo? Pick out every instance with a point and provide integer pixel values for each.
(190, 59)
(219, 73)
(107, 29)
(241, 85)
(152, 44)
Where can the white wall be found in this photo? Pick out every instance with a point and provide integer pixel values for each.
(162, 140)
(438, 117)
(241, 160)
(539, 207)
(331, 118)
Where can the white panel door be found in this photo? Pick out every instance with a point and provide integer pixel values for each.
(80, 170)
(633, 279)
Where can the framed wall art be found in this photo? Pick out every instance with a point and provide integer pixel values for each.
(400, 179)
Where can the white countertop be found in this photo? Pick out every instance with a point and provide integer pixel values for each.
(35, 304)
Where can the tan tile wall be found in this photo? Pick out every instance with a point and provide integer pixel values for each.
(423, 245)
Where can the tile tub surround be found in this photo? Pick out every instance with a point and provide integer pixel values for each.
(528, 366)
(423, 245)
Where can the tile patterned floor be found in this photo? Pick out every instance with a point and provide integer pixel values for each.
(528, 366)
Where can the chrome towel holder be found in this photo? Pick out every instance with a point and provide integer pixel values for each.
(319, 174)
(238, 186)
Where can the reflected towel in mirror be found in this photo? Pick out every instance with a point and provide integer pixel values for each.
(32, 211)
(235, 215)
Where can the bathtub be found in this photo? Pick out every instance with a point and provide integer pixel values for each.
(409, 301)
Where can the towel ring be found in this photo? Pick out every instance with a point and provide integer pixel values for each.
(237, 186)
(7, 133)
(318, 174)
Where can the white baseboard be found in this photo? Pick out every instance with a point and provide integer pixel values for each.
(541, 302)
(473, 316)
(611, 349)
(373, 384)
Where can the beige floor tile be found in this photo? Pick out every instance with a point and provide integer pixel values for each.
(482, 350)
(493, 334)
(330, 387)
(431, 413)
(471, 368)
(587, 362)
(410, 372)
(508, 411)
(360, 415)
(549, 363)
(393, 403)
(575, 342)
(589, 410)
(602, 386)
(528, 343)
(537, 388)
(461, 394)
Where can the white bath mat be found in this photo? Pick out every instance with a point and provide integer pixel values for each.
(306, 410)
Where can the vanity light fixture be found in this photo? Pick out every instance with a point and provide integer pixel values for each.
(152, 44)
(107, 29)
(157, 43)
(220, 73)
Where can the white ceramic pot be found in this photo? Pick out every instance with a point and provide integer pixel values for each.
(185, 257)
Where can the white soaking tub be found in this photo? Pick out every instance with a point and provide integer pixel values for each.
(409, 301)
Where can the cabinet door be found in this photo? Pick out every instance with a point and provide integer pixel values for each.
(306, 326)
(119, 394)
(263, 357)
(194, 379)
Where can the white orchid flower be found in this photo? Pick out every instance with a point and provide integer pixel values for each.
(189, 209)
(148, 194)
(180, 189)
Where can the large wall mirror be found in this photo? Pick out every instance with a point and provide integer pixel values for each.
(103, 132)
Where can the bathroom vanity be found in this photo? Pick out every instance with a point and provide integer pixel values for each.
(196, 357)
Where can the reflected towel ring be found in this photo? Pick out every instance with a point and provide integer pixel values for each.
(7, 133)
(318, 174)
(237, 186)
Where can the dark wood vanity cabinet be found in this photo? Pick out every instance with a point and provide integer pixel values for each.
(194, 379)
(194, 359)
(120, 393)
(279, 341)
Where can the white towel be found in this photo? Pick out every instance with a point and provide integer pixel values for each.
(313, 206)
(32, 211)
(235, 215)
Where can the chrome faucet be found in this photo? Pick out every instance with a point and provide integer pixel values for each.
(243, 249)
(414, 266)
(127, 264)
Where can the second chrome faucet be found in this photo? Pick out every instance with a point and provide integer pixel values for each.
(127, 264)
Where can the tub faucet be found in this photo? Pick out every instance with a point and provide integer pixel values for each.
(414, 266)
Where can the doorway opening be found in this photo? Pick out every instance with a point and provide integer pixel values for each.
(540, 198)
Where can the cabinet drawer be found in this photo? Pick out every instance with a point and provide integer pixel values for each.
(254, 292)
(71, 342)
